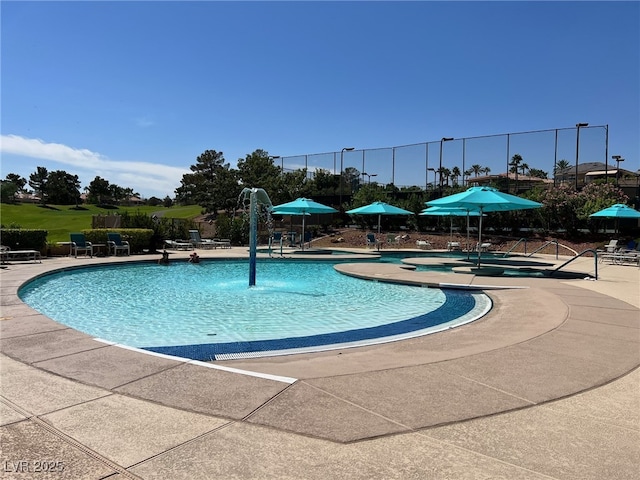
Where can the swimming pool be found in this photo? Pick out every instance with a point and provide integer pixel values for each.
(207, 311)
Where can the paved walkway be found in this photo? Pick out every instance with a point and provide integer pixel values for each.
(545, 386)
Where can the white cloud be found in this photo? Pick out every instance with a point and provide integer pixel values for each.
(149, 179)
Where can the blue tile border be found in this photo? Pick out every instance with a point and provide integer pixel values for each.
(457, 303)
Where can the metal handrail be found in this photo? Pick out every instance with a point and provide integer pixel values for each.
(595, 256)
(516, 244)
(547, 243)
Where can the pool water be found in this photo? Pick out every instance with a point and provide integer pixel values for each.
(293, 305)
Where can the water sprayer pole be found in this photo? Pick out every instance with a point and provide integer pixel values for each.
(253, 235)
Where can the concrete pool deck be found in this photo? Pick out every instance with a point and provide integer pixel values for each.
(545, 386)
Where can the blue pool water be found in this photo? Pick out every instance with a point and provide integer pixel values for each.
(207, 311)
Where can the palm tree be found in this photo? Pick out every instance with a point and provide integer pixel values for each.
(561, 166)
(515, 162)
(476, 169)
(455, 173)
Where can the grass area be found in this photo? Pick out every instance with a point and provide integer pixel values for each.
(61, 220)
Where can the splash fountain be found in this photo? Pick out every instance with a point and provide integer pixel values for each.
(255, 196)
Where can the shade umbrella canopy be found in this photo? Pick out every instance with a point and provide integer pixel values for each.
(302, 206)
(484, 200)
(617, 211)
(379, 208)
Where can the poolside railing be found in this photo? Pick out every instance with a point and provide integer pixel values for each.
(588, 250)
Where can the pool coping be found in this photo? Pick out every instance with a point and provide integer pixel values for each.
(498, 370)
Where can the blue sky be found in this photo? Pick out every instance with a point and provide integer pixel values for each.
(135, 91)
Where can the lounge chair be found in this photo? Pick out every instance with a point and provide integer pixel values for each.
(7, 254)
(222, 242)
(371, 240)
(483, 247)
(423, 244)
(453, 246)
(178, 245)
(393, 239)
(79, 244)
(116, 244)
(610, 250)
(199, 242)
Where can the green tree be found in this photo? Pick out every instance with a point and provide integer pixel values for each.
(294, 184)
(476, 169)
(561, 168)
(12, 184)
(537, 173)
(8, 191)
(38, 181)
(212, 185)
(325, 182)
(63, 188)
(17, 180)
(99, 191)
(258, 171)
(515, 162)
(455, 174)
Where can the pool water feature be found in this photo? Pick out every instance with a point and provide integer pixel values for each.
(206, 311)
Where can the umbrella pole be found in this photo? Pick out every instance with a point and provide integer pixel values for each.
(468, 243)
(379, 218)
(479, 237)
(302, 239)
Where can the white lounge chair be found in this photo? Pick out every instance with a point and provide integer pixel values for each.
(199, 242)
(178, 245)
(483, 247)
(453, 246)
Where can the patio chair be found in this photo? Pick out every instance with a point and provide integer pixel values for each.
(393, 239)
(306, 239)
(199, 242)
(116, 244)
(276, 239)
(79, 244)
(423, 244)
(371, 240)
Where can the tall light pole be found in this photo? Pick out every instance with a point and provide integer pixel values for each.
(618, 159)
(345, 149)
(578, 126)
(444, 139)
(369, 175)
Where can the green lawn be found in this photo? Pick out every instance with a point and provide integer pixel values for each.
(60, 220)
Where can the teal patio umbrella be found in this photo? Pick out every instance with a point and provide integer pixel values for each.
(379, 208)
(617, 211)
(484, 200)
(302, 206)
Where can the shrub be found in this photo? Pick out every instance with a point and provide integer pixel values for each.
(24, 239)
